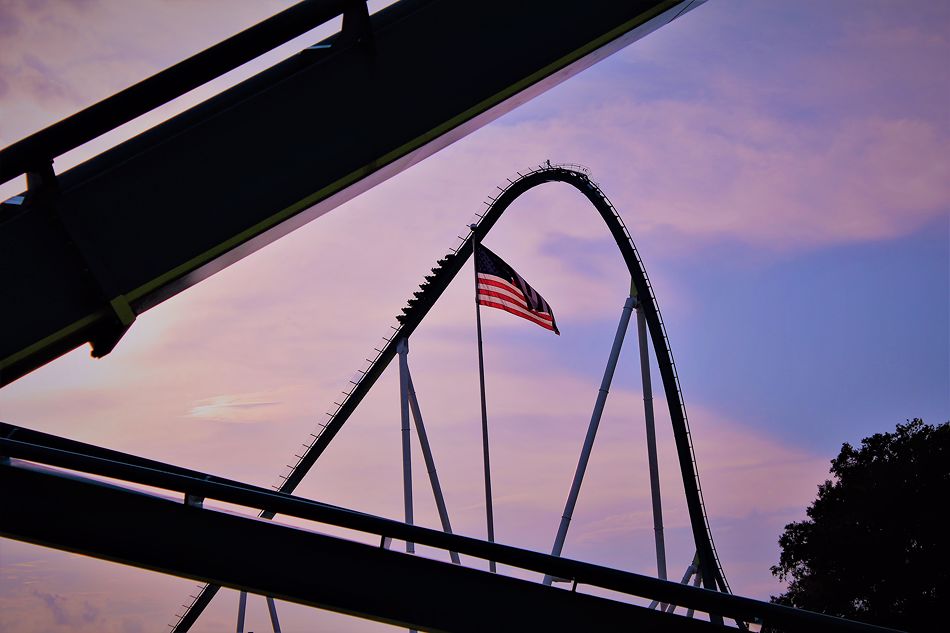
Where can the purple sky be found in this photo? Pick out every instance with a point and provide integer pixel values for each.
(783, 168)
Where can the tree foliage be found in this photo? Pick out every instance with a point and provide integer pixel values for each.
(875, 545)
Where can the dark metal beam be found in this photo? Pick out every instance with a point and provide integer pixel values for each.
(41, 148)
(33, 503)
(291, 564)
(91, 248)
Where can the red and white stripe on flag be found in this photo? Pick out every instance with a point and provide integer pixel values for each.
(497, 292)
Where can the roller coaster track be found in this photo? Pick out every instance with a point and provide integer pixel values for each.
(431, 289)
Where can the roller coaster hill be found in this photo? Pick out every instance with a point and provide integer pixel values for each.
(95, 266)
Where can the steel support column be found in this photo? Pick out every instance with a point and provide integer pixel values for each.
(591, 432)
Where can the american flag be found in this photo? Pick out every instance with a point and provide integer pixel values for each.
(497, 285)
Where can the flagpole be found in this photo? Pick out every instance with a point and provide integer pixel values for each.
(489, 515)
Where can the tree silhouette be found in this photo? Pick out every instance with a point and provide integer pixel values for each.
(875, 545)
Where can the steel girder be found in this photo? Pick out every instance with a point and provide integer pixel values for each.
(144, 530)
(57, 508)
(89, 249)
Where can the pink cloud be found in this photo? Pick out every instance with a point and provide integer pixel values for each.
(710, 172)
(44, 590)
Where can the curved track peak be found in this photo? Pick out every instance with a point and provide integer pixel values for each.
(430, 290)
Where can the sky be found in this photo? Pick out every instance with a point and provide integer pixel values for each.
(783, 169)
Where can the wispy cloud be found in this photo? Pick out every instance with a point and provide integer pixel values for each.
(54, 592)
(241, 408)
